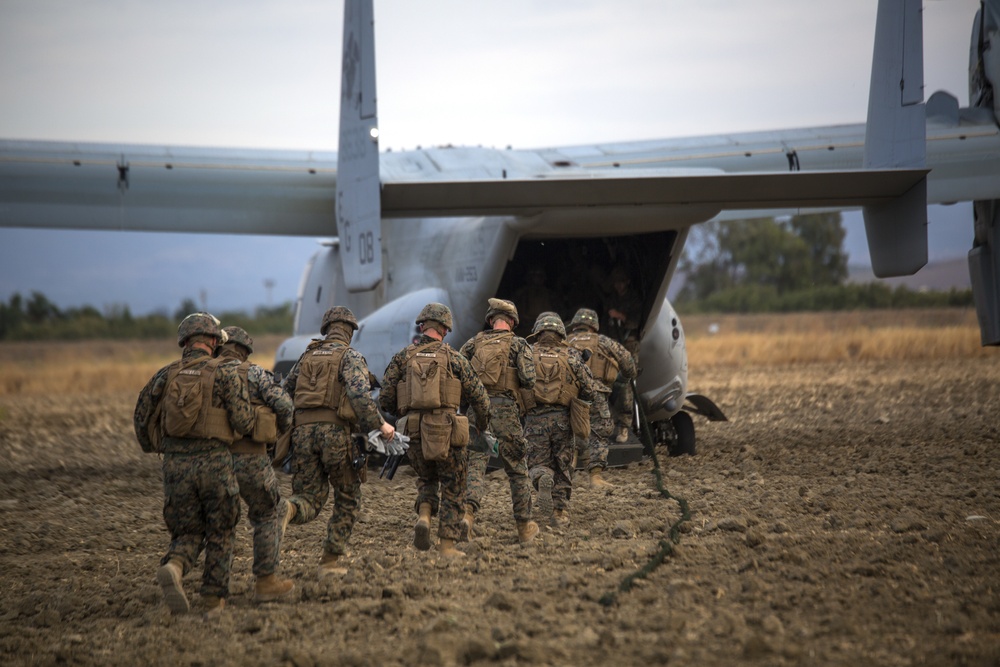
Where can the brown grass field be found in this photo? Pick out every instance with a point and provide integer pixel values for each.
(31, 368)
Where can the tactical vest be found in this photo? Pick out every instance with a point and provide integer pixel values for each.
(187, 410)
(265, 430)
(319, 391)
(602, 365)
(428, 382)
(555, 382)
(491, 361)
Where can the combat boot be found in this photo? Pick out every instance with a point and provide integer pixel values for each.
(559, 519)
(328, 566)
(271, 587)
(170, 577)
(596, 480)
(213, 607)
(422, 531)
(544, 503)
(526, 531)
(447, 549)
(467, 522)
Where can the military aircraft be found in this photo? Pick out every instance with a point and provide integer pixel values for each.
(459, 224)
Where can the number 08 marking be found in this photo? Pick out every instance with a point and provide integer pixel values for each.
(366, 248)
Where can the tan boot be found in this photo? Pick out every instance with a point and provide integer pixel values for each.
(213, 607)
(559, 519)
(544, 501)
(271, 587)
(596, 480)
(526, 531)
(447, 549)
(422, 531)
(328, 566)
(622, 434)
(170, 577)
(467, 522)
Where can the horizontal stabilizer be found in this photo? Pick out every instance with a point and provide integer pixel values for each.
(526, 197)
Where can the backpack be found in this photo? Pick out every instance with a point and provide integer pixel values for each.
(602, 365)
(491, 358)
(554, 383)
(319, 372)
(187, 410)
(428, 383)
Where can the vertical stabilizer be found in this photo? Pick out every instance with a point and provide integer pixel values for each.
(896, 137)
(359, 212)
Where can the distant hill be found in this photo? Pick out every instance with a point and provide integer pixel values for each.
(936, 276)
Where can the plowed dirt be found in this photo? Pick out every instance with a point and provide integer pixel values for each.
(848, 514)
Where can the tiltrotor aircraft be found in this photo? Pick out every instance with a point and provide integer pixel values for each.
(458, 225)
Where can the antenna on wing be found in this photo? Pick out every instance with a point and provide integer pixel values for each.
(896, 137)
(359, 214)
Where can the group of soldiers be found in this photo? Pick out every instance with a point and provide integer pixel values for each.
(540, 408)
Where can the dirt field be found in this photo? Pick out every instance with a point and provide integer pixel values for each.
(849, 514)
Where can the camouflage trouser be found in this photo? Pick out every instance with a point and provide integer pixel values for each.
(450, 477)
(321, 458)
(201, 509)
(505, 424)
(593, 452)
(622, 397)
(550, 450)
(259, 489)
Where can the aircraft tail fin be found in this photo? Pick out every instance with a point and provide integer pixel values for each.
(359, 216)
(895, 137)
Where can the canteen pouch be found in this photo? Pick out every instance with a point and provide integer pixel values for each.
(435, 435)
(265, 425)
(579, 418)
(459, 430)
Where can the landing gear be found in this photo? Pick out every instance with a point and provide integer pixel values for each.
(677, 433)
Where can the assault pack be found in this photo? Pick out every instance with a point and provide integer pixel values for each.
(319, 392)
(265, 430)
(491, 361)
(186, 406)
(602, 365)
(428, 383)
(555, 383)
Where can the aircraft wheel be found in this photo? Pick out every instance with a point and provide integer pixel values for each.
(683, 440)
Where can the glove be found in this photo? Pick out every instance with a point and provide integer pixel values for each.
(492, 442)
(397, 446)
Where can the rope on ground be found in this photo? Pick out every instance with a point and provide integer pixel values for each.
(666, 545)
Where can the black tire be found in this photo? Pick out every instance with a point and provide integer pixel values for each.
(683, 442)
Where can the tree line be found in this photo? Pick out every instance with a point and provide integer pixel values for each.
(37, 318)
(785, 265)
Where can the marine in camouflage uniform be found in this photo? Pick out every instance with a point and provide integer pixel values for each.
(593, 453)
(252, 464)
(623, 307)
(547, 428)
(505, 422)
(202, 504)
(448, 476)
(322, 450)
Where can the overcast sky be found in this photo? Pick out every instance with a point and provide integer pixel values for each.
(251, 73)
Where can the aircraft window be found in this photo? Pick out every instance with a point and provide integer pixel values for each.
(319, 290)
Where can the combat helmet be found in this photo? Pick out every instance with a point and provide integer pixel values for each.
(338, 314)
(502, 307)
(238, 335)
(587, 318)
(204, 324)
(437, 312)
(551, 322)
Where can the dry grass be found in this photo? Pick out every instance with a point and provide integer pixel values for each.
(782, 339)
(96, 367)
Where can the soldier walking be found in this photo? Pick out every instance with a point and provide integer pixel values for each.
(560, 377)
(331, 388)
(608, 360)
(424, 385)
(505, 366)
(252, 464)
(190, 411)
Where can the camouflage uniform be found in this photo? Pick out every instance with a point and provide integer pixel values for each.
(623, 299)
(505, 424)
(322, 453)
(594, 453)
(202, 503)
(547, 428)
(252, 464)
(449, 475)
